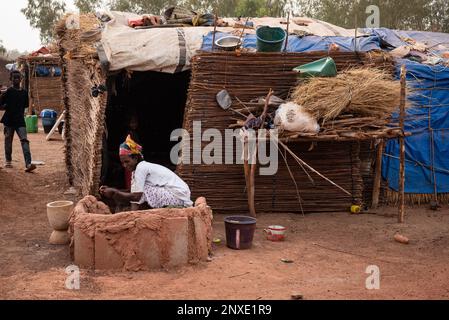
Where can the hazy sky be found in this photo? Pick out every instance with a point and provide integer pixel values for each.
(15, 30)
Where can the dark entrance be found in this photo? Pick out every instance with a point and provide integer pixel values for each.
(151, 103)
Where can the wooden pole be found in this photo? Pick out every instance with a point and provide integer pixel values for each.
(252, 185)
(215, 30)
(250, 169)
(30, 97)
(288, 27)
(377, 174)
(401, 211)
(55, 127)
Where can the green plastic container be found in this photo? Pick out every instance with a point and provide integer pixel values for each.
(321, 68)
(270, 39)
(31, 123)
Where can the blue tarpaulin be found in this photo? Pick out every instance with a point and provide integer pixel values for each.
(427, 150)
(436, 41)
(306, 43)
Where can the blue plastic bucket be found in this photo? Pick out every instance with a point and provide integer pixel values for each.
(48, 119)
(48, 113)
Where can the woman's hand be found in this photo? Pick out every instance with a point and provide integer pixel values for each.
(107, 192)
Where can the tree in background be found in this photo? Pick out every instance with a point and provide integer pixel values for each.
(42, 15)
(86, 6)
(2, 48)
(426, 15)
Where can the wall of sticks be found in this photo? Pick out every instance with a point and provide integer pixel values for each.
(43, 92)
(247, 76)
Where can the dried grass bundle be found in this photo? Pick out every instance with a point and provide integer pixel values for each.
(365, 92)
(71, 37)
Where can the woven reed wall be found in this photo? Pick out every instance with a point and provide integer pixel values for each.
(249, 76)
(84, 113)
(46, 93)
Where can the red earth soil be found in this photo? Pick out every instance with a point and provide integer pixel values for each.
(330, 251)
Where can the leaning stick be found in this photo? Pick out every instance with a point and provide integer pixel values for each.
(288, 26)
(401, 211)
(312, 169)
(377, 174)
(215, 30)
(252, 185)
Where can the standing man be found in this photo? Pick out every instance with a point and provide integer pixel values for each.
(14, 101)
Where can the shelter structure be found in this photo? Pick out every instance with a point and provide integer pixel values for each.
(168, 78)
(43, 80)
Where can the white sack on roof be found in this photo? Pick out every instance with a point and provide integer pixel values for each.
(157, 49)
(170, 49)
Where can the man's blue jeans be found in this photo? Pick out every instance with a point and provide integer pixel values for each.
(9, 135)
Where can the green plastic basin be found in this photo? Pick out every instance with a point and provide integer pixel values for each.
(321, 68)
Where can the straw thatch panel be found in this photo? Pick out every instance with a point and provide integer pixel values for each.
(85, 126)
(247, 77)
(85, 114)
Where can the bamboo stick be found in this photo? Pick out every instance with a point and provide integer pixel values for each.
(377, 174)
(401, 211)
(215, 30)
(252, 184)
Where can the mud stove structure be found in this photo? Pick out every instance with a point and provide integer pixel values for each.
(139, 240)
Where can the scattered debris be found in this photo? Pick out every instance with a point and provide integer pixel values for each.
(38, 162)
(287, 260)
(239, 275)
(401, 239)
(297, 296)
(434, 205)
(70, 191)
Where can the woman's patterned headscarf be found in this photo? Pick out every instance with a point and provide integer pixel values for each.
(130, 147)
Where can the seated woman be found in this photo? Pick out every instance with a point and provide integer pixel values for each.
(151, 184)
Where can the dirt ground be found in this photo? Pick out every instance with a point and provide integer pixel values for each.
(330, 252)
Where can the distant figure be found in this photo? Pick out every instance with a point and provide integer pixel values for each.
(14, 101)
(152, 185)
(133, 128)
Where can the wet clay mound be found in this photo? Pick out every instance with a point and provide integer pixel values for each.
(139, 240)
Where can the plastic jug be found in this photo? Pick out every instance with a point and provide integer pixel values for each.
(31, 123)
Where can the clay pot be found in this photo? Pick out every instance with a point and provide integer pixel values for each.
(59, 237)
(58, 213)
